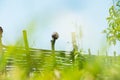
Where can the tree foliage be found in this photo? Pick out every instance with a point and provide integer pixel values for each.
(113, 31)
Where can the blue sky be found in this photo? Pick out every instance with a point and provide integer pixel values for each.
(42, 17)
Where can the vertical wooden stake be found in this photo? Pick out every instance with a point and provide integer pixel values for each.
(106, 57)
(27, 54)
(53, 45)
(25, 40)
(1, 45)
(54, 36)
(74, 43)
(89, 52)
(115, 56)
(114, 53)
(106, 54)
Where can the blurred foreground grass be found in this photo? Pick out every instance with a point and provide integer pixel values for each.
(24, 63)
(21, 64)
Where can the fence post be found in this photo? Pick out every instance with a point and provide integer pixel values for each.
(3, 70)
(89, 52)
(1, 45)
(55, 36)
(115, 56)
(106, 57)
(28, 70)
(25, 40)
(75, 47)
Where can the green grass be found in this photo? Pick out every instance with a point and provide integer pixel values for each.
(44, 66)
(24, 63)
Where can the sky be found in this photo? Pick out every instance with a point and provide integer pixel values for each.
(43, 17)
